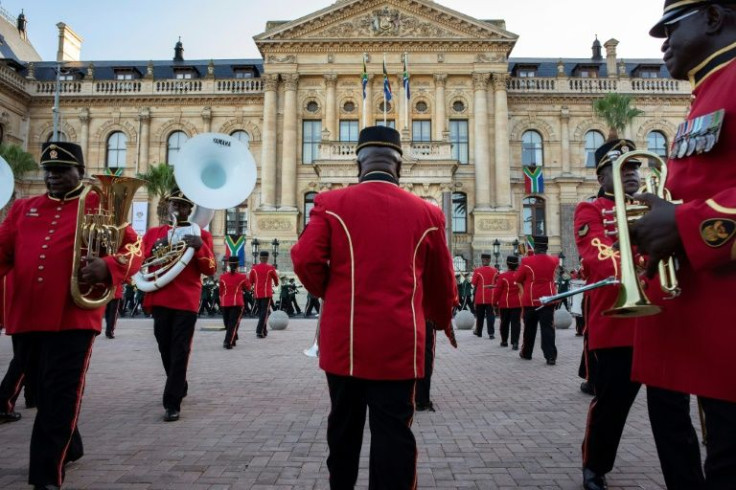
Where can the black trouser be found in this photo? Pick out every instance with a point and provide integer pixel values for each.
(588, 363)
(174, 331)
(545, 318)
(425, 384)
(263, 305)
(466, 303)
(231, 317)
(312, 303)
(614, 395)
(62, 368)
(675, 438)
(393, 451)
(720, 461)
(484, 312)
(21, 371)
(510, 317)
(111, 316)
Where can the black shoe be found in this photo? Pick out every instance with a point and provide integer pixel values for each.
(45, 487)
(593, 480)
(109, 335)
(477, 334)
(227, 345)
(9, 417)
(171, 415)
(491, 336)
(260, 335)
(551, 362)
(526, 358)
(514, 346)
(504, 344)
(587, 388)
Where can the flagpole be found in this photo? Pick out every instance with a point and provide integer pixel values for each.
(406, 93)
(365, 74)
(385, 74)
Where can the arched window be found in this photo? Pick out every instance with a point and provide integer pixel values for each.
(460, 264)
(308, 205)
(241, 136)
(173, 144)
(657, 143)
(531, 149)
(459, 212)
(593, 140)
(116, 150)
(533, 213)
(62, 137)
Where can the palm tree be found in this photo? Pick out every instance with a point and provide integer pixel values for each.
(20, 162)
(616, 110)
(159, 181)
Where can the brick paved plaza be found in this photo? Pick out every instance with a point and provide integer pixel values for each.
(256, 416)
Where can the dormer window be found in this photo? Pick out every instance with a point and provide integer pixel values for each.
(243, 73)
(66, 77)
(185, 73)
(644, 71)
(525, 71)
(125, 74)
(586, 71)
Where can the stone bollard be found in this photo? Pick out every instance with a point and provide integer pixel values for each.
(278, 320)
(464, 320)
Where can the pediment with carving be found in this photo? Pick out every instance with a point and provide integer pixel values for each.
(386, 19)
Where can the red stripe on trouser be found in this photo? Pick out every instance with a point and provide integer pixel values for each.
(411, 420)
(593, 403)
(10, 402)
(77, 407)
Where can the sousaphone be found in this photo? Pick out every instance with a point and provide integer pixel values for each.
(214, 170)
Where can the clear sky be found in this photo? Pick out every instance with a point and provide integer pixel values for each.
(148, 29)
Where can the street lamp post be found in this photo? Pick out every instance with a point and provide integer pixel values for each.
(562, 260)
(255, 247)
(515, 243)
(275, 251)
(496, 251)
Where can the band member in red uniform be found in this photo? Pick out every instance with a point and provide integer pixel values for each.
(111, 312)
(484, 280)
(175, 305)
(232, 286)
(37, 245)
(688, 347)
(536, 278)
(372, 339)
(264, 277)
(507, 298)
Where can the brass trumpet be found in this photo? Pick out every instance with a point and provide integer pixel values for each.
(632, 301)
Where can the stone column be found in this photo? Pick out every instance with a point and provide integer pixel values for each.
(481, 143)
(144, 116)
(268, 155)
(207, 119)
(565, 141)
(84, 139)
(368, 116)
(331, 105)
(501, 122)
(440, 118)
(289, 143)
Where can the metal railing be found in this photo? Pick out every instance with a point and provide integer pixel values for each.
(565, 85)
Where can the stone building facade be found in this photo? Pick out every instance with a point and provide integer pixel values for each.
(475, 117)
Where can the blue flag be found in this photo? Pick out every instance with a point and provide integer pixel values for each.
(386, 84)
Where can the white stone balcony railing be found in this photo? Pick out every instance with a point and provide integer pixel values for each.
(429, 150)
(92, 88)
(564, 85)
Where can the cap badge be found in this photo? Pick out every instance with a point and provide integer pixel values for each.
(53, 154)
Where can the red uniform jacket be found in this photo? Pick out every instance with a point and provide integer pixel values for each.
(232, 286)
(378, 257)
(264, 278)
(536, 275)
(37, 244)
(3, 300)
(183, 293)
(601, 262)
(690, 345)
(484, 278)
(507, 294)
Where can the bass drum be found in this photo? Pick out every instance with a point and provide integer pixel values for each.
(577, 300)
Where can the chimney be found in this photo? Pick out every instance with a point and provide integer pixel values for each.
(597, 49)
(610, 46)
(179, 51)
(70, 44)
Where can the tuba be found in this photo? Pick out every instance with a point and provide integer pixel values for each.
(6, 183)
(632, 301)
(214, 170)
(100, 233)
